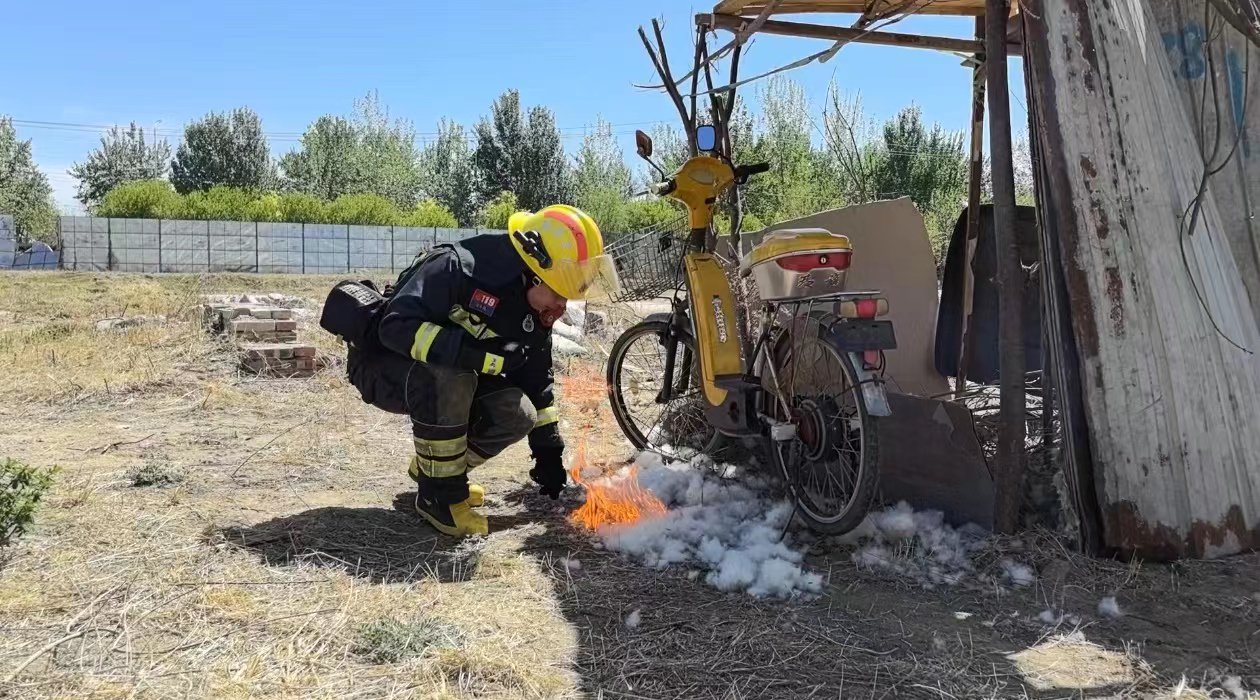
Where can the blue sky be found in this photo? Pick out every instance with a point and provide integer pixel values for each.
(166, 63)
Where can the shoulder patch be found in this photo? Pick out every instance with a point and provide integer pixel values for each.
(483, 302)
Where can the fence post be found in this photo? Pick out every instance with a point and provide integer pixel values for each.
(207, 246)
(159, 245)
(109, 245)
(347, 249)
(391, 250)
(304, 247)
(257, 270)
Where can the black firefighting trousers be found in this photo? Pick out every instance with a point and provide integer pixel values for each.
(459, 419)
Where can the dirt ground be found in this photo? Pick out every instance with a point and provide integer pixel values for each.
(215, 534)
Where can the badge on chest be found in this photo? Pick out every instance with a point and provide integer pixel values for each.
(483, 303)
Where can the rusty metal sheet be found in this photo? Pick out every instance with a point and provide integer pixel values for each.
(930, 458)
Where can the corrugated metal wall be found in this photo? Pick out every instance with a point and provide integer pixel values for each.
(1163, 315)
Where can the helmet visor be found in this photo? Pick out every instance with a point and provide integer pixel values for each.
(593, 279)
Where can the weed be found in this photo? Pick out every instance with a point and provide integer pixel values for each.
(156, 474)
(21, 488)
(388, 641)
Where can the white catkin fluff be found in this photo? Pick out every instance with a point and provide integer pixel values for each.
(729, 530)
(1109, 608)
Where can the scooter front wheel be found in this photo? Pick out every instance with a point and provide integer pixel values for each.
(670, 422)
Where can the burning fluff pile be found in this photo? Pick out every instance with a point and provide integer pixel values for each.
(681, 513)
(729, 529)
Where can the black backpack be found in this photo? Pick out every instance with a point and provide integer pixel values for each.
(352, 312)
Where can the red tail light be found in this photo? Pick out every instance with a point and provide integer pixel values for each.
(813, 261)
(867, 308)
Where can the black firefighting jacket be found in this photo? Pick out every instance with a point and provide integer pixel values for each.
(474, 288)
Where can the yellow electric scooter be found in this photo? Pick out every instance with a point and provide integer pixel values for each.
(810, 386)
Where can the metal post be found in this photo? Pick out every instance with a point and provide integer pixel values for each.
(975, 176)
(159, 245)
(347, 249)
(391, 250)
(1010, 448)
(109, 244)
(256, 267)
(207, 246)
(304, 247)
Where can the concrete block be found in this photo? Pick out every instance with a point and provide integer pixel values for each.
(260, 313)
(282, 314)
(285, 337)
(304, 351)
(289, 325)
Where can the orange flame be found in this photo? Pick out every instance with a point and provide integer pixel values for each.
(612, 500)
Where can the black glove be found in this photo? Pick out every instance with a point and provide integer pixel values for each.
(548, 471)
(491, 355)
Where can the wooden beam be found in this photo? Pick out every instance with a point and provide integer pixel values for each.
(733, 7)
(821, 31)
(1010, 274)
(956, 9)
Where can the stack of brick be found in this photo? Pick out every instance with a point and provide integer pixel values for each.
(279, 358)
(265, 336)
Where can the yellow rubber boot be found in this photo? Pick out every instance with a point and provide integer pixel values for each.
(476, 495)
(457, 520)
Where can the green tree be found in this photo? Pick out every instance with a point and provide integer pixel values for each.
(669, 150)
(143, 199)
(363, 208)
(929, 166)
(430, 213)
(496, 212)
(521, 155)
(326, 165)
(850, 137)
(448, 174)
(601, 179)
(24, 190)
(795, 184)
(123, 156)
(388, 161)
(224, 149)
(219, 203)
(299, 207)
(651, 213)
(265, 207)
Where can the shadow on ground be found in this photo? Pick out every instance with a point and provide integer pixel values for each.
(378, 544)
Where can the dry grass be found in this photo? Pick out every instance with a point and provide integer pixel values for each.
(275, 566)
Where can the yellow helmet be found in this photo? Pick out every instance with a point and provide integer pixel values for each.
(563, 247)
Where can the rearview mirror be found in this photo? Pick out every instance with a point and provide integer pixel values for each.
(706, 137)
(643, 144)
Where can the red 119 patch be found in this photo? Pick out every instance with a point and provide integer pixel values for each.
(483, 303)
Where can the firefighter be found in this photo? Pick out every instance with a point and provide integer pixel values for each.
(465, 351)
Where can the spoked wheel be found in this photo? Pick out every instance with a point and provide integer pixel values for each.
(830, 464)
(636, 376)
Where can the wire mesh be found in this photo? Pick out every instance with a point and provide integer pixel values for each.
(650, 261)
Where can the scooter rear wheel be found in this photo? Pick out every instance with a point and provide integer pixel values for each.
(830, 465)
